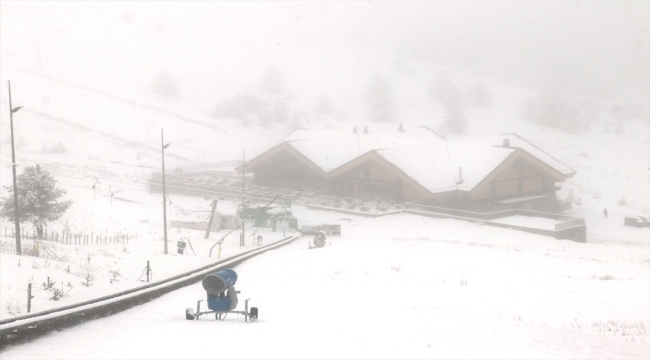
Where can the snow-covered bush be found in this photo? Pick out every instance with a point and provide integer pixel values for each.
(12, 307)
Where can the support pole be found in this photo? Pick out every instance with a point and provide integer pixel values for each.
(29, 297)
(162, 142)
(243, 188)
(19, 250)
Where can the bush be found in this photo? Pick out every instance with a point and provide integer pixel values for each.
(379, 98)
(552, 110)
(58, 148)
(451, 97)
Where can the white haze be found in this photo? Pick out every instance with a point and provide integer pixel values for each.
(213, 50)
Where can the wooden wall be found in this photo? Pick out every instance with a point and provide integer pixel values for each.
(517, 179)
(284, 168)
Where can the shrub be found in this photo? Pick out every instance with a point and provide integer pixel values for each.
(58, 148)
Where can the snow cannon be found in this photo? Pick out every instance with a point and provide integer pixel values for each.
(217, 283)
(222, 297)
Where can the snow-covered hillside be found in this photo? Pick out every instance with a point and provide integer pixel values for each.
(97, 120)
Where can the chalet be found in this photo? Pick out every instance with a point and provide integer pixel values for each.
(489, 172)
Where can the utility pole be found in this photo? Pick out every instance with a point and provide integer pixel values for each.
(162, 143)
(211, 221)
(243, 188)
(13, 168)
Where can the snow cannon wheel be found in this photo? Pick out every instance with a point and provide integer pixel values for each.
(189, 314)
(253, 314)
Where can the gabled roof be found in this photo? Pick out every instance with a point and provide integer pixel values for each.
(420, 154)
(330, 149)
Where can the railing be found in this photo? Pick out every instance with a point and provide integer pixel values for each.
(569, 227)
(569, 224)
(12, 328)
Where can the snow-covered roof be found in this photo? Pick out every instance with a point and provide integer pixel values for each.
(477, 160)
(421, 154)
(429, 167)
(519, 142)
(191, 216)
(223, 209)
(330, 149)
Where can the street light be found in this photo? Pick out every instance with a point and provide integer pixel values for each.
(12, 110)
(164, 146)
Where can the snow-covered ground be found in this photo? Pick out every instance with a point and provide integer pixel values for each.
(397, 286)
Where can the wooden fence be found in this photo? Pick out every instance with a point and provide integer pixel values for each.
(71, 238)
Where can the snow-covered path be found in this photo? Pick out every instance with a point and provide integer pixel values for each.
(393, 287)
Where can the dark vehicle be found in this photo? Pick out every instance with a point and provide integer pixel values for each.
(637, 221)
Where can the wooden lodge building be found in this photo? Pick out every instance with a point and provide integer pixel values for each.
(482, 173)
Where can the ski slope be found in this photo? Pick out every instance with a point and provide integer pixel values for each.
(399, 286)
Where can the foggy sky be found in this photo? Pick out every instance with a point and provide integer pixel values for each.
(598, 49)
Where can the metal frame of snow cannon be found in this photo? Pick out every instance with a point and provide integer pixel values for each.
(251, 314)
(219, 302)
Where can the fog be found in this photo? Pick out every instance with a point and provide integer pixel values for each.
(213, 50)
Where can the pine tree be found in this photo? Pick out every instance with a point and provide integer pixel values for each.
(272, 81)
(380, 99)
(37, 198)
(451, 97)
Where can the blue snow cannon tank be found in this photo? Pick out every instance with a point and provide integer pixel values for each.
(216, 285)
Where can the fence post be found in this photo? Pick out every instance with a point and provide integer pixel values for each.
(29, 297)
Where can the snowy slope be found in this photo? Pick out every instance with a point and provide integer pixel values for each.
(400, 286)
(573, 300)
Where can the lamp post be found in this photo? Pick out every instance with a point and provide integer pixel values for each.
(242, 240)
(164, 146)
(12, 110)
